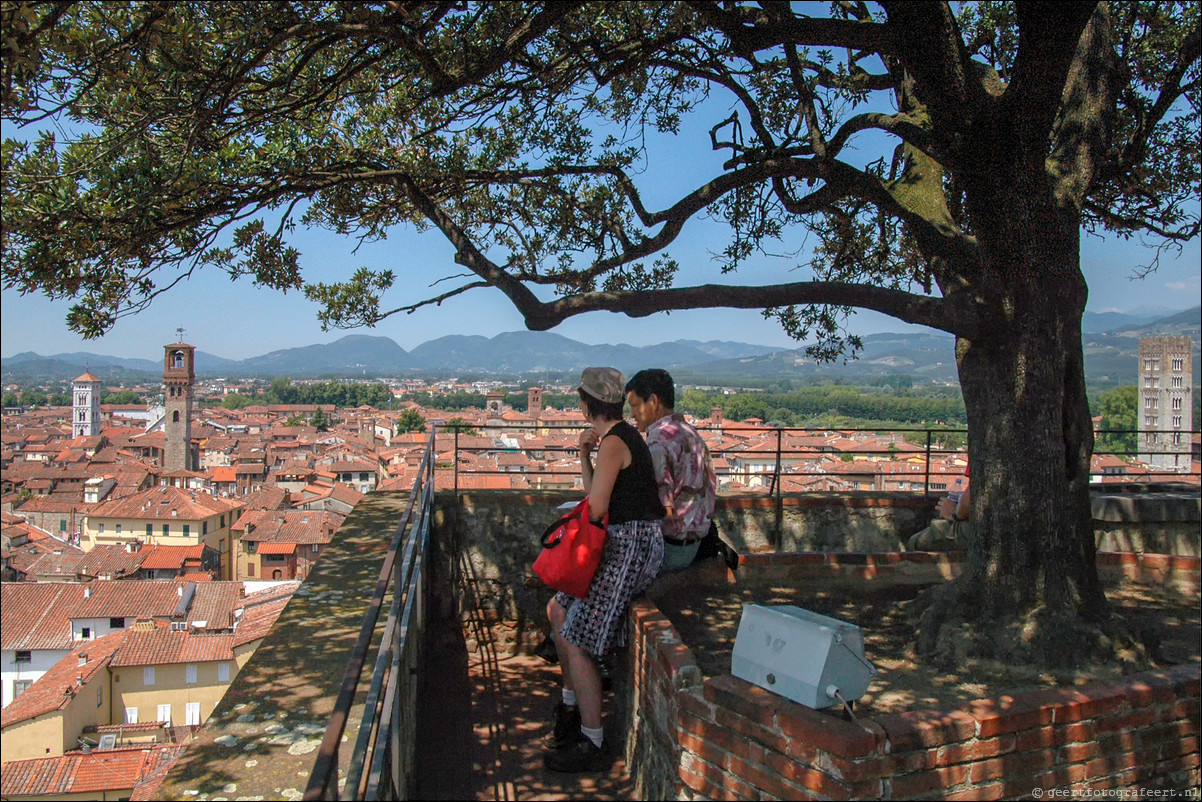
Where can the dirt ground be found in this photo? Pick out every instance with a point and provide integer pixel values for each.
(707, 618)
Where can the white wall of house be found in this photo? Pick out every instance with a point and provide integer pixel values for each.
(12, 672)
(96, 627)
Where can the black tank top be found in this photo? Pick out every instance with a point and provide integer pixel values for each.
(635, 496)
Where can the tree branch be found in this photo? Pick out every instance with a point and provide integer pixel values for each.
(1049, 35)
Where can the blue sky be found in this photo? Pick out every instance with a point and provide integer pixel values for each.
(237, 320)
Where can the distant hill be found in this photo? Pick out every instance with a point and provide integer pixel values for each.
(1110, 357)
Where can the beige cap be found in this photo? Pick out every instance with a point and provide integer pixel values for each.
(603, 384)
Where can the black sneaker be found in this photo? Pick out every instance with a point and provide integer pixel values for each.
(567, 727)
(579, 756)
(546, 650)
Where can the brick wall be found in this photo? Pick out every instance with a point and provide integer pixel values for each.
(723, 738)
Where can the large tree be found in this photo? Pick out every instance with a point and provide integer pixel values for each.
(203, 132)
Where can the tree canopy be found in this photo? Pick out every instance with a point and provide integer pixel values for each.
(203, 133)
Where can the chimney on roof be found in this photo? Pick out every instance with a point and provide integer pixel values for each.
(79, 678)
(83, 658)
(87, 591)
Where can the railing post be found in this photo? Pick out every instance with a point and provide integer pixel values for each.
(777, 481)
(926, 480)
(455, 466)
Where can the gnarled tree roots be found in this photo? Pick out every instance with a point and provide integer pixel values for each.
(957, 625)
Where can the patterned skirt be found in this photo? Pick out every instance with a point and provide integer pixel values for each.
(633, 554)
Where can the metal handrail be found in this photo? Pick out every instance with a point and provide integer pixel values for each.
(377, 739)
(773, 478)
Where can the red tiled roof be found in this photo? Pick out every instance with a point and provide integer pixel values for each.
(146, 598)
(37, 615)
(164, 502)
(196, 576)
(92, 773)
(223, 473)
(214, 603)
(110, 561)
(162, 646)
(277, 548)
(257, 621)
(172, 557)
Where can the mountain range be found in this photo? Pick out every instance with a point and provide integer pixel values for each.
(1111, 343)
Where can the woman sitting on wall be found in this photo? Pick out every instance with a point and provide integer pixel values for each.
(622, 484)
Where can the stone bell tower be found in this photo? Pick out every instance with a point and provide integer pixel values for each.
(85, 405)
(178, 378)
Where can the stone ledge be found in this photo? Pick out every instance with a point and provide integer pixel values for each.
(1146, 507)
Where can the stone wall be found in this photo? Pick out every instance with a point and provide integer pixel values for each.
(491, 537)
(724, 738)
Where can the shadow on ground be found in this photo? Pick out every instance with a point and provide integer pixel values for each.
(482, 717)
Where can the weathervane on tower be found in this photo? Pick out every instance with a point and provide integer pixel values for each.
(179, 333)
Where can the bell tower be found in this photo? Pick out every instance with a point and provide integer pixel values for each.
(178, 378)
(85, 405)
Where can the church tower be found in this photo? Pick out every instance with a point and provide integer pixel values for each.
(85, 406)
(534, 402)
(178, 378)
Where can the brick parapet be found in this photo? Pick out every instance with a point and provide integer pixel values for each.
(724, 738)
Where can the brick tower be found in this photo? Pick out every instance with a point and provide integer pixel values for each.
(178, 378)
(1165, 404)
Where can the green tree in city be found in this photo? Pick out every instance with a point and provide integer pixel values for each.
(320, 420)
(410, 421)
(208, 132)
(1119, 410)
(297, 420)
(460, 425)
(238, 401)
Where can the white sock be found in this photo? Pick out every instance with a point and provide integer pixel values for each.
(596, 736)
(569, 697)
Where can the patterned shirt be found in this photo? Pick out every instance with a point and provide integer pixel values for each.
(687, 481)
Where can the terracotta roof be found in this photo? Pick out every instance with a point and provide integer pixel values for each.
(110, 561)
(223, 473)
(146, 598)
(258, 620)
(165, 502)
(277, 548)
(196, 576)
(55, 689)
(91, 773)
(214, 603)
(36, 615)
(296, 526)
(171, 557)
(163, 646)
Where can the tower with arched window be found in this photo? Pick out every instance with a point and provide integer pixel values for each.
(178, 379)
(85, 405)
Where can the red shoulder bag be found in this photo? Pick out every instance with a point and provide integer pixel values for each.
(572, 549)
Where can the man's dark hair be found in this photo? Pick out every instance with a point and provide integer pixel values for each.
(653, 380)
(602, 409)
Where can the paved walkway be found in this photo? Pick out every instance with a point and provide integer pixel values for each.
(482, 721)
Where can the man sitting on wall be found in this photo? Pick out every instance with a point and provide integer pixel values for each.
(952, 529)
(688, 485)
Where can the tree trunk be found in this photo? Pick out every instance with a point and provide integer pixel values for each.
(1030, 587)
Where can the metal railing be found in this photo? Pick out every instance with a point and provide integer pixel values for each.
(771, 470)
(382, 761)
